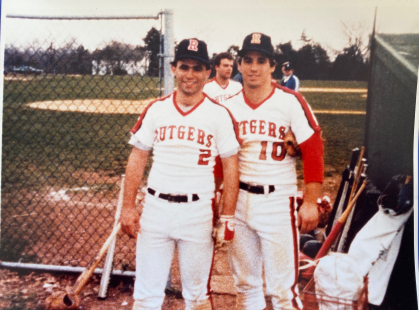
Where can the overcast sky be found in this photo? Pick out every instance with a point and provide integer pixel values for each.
(218, 22)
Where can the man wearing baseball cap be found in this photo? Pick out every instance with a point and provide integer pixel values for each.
(266, 219)
(289, 80)
(186, 131)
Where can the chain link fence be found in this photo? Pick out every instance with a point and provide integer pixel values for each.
(67, 111)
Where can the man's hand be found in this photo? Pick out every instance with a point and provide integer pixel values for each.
(223, 232)
(130, 222)
(308, 217)
(308, 214)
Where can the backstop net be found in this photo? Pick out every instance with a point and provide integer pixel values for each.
(73, 88)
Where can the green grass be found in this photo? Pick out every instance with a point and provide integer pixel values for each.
(44, 148)
(333, 84)
(336, 101)
(341, 134)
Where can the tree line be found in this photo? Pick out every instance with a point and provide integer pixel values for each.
(311, 60)
(113, 59)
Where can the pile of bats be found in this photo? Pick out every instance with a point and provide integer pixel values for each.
(354, 181)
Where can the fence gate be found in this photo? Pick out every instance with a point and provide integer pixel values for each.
(68, 107)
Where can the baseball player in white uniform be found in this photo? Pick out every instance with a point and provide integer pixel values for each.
(221, 86)
(266, 231)
(186, 131)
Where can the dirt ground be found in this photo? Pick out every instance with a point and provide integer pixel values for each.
(108, 106)
(25, 289)
(22, 289)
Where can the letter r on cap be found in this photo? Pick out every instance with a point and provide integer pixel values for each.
(193, 45)
(255, 38)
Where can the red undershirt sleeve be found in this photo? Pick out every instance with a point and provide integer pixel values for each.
(312, 156)
(218, 168)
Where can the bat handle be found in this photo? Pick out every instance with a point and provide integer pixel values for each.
(84, 277)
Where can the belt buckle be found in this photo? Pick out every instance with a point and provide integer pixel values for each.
(171, 198)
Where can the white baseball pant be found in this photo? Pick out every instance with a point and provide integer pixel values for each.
(164, 226)
(266, 235)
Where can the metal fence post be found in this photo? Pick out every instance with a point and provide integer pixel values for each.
(58, 202)
(168, 51)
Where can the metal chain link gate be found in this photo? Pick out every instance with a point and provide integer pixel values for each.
(67, 112)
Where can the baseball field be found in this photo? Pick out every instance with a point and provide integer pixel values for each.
(41, 132)
(64, 147)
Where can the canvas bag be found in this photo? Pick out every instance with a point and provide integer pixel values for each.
(337, 276)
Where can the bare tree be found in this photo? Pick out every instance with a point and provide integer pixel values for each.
(357, 36)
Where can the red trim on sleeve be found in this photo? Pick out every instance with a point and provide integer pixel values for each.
(304, 105)
(139, 122)
(312, 155)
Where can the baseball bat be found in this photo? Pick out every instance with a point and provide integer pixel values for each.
(107, 267)
(358, 169)
(339, 224)
(71, 300)
(348, 222)
(352, 185)
(343, 191)
(84, 277)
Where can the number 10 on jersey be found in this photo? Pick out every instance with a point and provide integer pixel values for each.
(276, 154)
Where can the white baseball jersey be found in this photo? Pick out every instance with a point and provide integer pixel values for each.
(262, 128)
(220, 93)
(184, 144)
(266, 228)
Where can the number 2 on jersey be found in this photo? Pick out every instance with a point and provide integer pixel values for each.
(203, 157)
(274, 153)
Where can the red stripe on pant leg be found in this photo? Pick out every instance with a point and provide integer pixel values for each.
(209, 281)
(214, 212)
(213, 256)
(295, 242)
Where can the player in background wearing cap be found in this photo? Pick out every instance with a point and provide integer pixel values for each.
(186, 131)
(266, 218)
(221, 87)
(289, 80)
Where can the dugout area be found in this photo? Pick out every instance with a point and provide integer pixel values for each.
(391, 103)
(389, 143)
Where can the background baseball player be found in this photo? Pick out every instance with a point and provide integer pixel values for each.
(186, 131)
(266, 218)
(221, 87)
(289, 80)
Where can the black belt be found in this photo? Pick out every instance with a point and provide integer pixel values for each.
(256, 189)
(173, 198)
